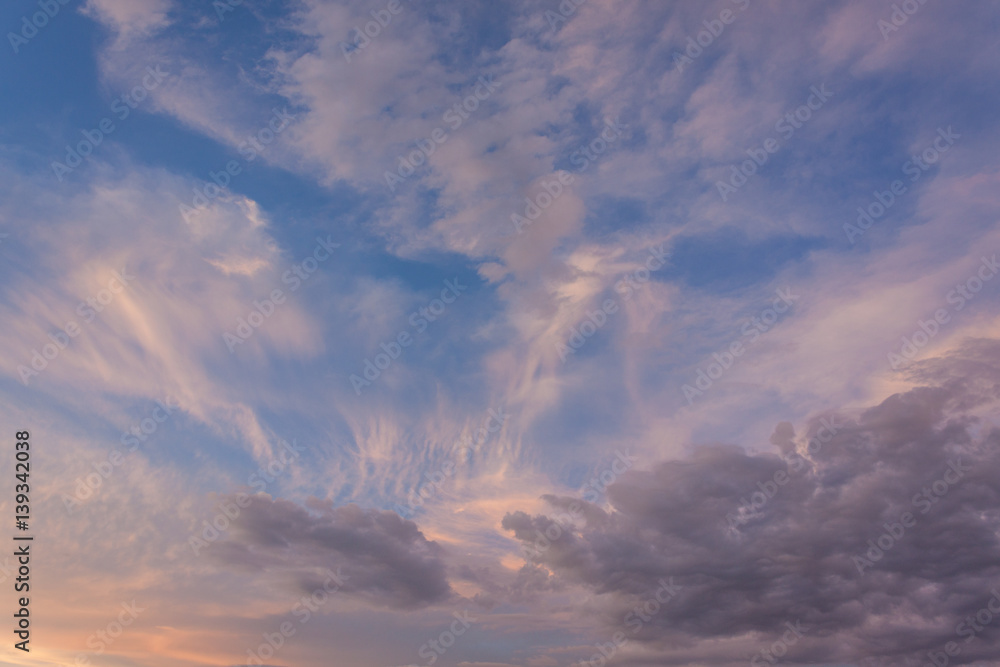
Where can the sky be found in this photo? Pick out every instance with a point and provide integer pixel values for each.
(381, 333)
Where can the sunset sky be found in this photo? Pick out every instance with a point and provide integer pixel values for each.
(379, 333)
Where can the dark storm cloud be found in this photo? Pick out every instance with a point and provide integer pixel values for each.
(385, 559)
(918, 472)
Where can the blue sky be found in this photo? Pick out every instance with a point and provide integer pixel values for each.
(619, 341)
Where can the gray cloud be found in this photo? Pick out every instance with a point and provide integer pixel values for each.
(794, 557)
(386, 559)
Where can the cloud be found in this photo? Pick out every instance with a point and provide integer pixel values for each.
(795, 556)
(130, 17)
(193, 281)
(198, 278)
(386, 559)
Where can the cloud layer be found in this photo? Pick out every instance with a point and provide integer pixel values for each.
(876, 531)
(570, 311)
